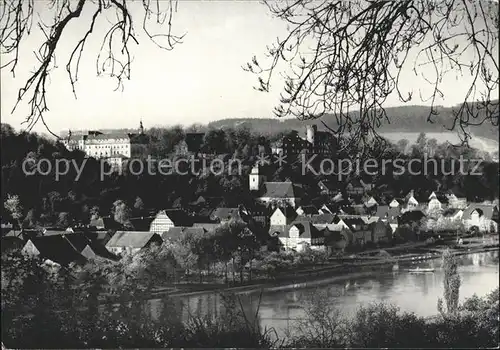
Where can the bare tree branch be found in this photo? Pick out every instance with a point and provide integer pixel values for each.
(114, 58)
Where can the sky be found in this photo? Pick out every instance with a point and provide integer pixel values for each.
(200, 81)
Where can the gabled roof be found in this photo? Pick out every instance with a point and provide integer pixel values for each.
(142, 223)
(306, 230)
(130, 239)
(60, 249)
(386, 212)
(321, 219)
(355, 224)
(370, 219)
(289, 213)
(411, 216)
(178, 216)
(285, 189)
(450, 212)
(98, 250)
(486, 210)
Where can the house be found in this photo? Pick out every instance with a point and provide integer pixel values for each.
(381, 232)
(389, 215)
(11, 243)
(370, 219)
(437, 201)
(456, 202)
(281, 193)
(396, 203)
(132, 241)
(370, 202)
(410, 201)
(280, 219)
(327, 209)
(337, 239)
(320, 220)
(60, 249)
(307, 210)
(6, 227)
(142, 223)
(361, 232)
(93, 251)
(165, 219)
(482, 216)
(224, 215)
(301, 234)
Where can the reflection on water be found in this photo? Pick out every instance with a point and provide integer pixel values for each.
(411, 292)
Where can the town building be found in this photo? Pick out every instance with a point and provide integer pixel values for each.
(115, 147)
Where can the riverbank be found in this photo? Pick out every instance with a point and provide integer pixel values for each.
(316, 276)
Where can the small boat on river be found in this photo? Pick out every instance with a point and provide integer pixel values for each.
(421, 270)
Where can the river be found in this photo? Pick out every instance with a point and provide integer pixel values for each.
(417, 293)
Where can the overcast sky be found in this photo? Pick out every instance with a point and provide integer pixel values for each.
(199, 81)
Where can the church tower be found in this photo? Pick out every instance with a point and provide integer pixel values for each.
(255, 179)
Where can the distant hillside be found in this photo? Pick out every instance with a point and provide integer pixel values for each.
(402, 119)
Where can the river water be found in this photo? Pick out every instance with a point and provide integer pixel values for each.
(411, 292)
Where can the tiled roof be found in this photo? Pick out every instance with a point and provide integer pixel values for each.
(309, 210)
(321, 219)
(130, 239)
(386, 212)
(280, 190)
(179, 217)
(355, 224)
(61, 248)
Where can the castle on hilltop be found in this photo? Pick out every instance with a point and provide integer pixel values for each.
(313, 142)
